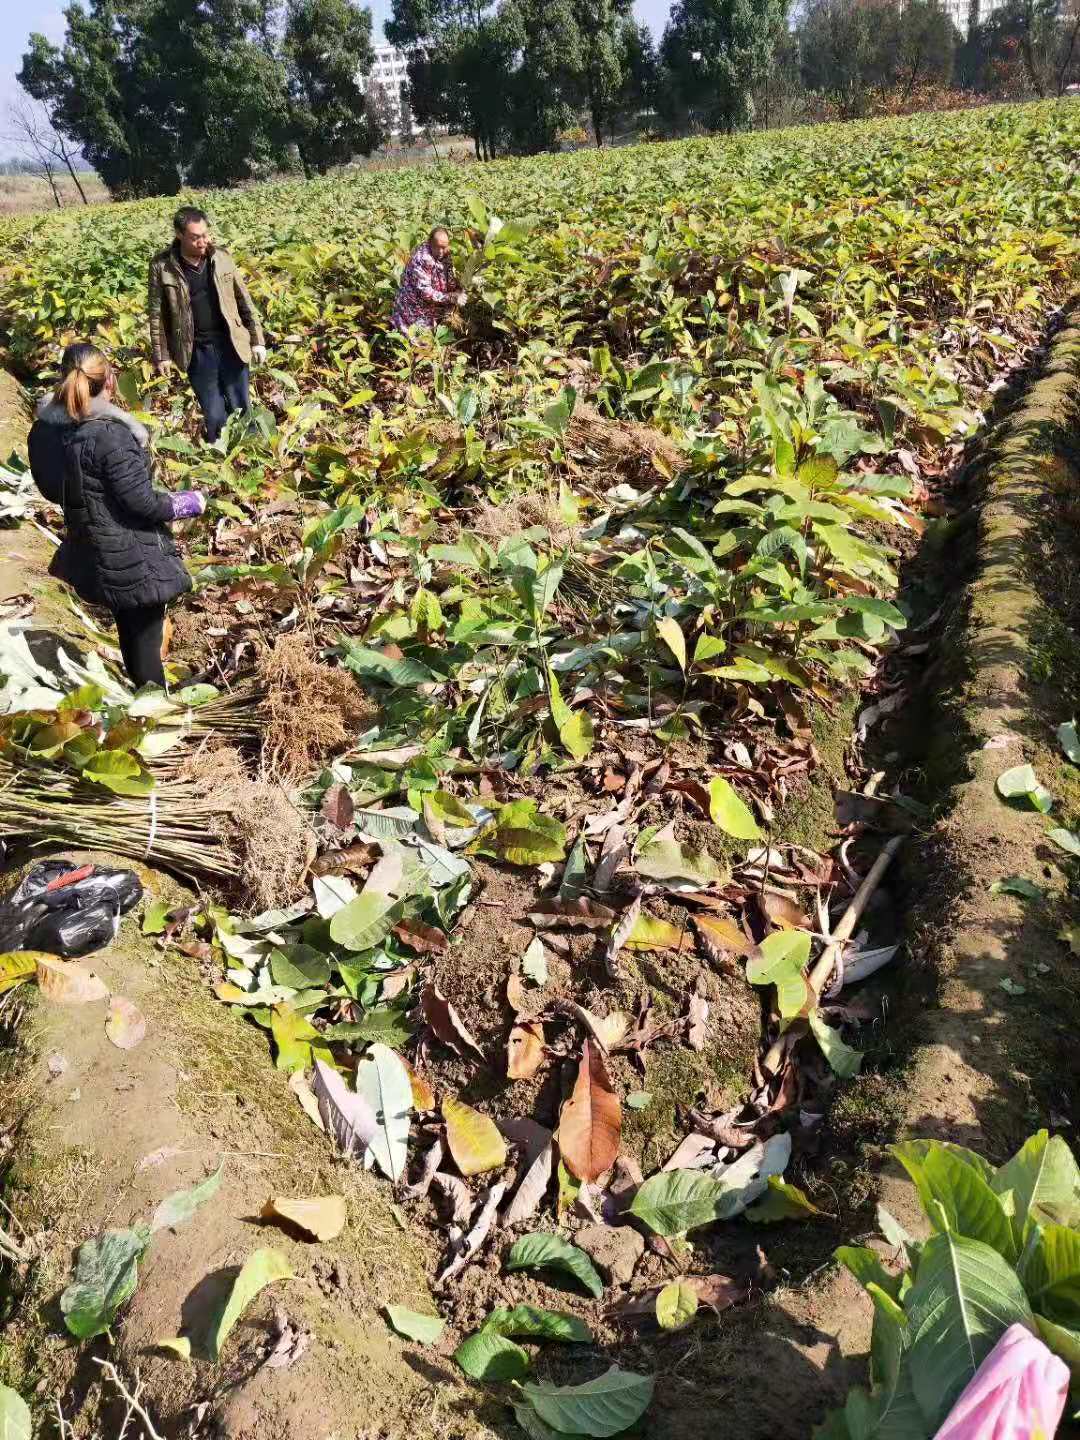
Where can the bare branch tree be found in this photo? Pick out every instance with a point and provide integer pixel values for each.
(32, 129)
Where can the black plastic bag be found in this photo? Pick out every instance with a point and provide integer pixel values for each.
(120, 888)
(72, 919)
(74, 932)
(15, 921)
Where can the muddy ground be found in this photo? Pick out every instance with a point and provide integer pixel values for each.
(94, 1137)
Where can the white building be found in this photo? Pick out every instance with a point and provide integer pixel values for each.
(960, 11)
(390, 74)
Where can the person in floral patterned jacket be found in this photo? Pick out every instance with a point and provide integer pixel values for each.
(428, 286)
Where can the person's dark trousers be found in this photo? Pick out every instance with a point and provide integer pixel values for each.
(221, 381)
(141, 632)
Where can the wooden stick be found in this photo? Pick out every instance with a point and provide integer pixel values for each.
(826, 962)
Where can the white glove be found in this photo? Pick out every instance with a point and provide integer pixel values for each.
(258, 354)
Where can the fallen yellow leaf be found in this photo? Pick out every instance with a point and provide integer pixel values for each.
(474, 1140)
(322, 1217)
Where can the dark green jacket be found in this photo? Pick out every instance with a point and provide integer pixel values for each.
(172, 328)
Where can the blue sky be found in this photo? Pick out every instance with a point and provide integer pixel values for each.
(19, 17)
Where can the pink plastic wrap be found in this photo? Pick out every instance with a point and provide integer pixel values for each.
(1017, 1393)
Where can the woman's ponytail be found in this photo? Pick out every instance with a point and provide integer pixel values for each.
(85, 373)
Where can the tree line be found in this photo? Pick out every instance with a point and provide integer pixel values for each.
(159, 94)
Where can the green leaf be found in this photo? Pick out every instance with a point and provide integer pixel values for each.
(843, 1060)
(374, 665)
(1067, 735)
(520, 835)
(1064, 1342)
(969, 1204)
(366, 921)
(731, 813)
(577, 734)
(1016, 885)
(1043, 1180)
(675, 1201)
(1065, 840)
(541, 1250)
(964, 1298)
(106, 1274)
(783, 1202)
(534, 1427)
(865, 1264)
(298, 1042)
(15, 1422)
(424, 1329)
(781, 954)
(665, 858)
(538, 1324)
(1050, 1270)
(299, 967)
(383, 1081)
(1021, 783)
(178, 1208)
(487, 1355)
(261, 1268)
(605, 1406)
(155, 916)
(676, 1306)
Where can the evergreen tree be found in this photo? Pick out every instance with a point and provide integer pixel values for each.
(714, 53)
(327, 47)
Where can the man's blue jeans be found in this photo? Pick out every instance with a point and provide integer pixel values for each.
(220, 379)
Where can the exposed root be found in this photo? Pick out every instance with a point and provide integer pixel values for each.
(264, 830)
(313, 711)
(520, 512)
(621, 449)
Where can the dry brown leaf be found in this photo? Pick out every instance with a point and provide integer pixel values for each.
(783, 911)
(423, 1096)
(301, 1088)
(424, 939)
(591, 1120)
(537, 1160)
(697, 1030)
(552, 914)
(398, 982)
(695, 792)
(694, 1152)
(719, 1292)
(68, 984)
(515, 994)
(525, 1050)
(125, 1024)
(322, 1216)
(478, 1234)
(338, 807)
(473, 1138)
(721, 937)
(460, 1202)
(445, 1021)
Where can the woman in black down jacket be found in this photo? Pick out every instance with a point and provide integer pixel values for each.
(117, 548)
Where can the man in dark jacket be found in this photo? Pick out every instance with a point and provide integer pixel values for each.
(202, 320)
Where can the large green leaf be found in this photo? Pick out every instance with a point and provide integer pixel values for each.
(424, 1329)
(106, 1274)
(1050, 1270)
(1044, 1182)
(730, 812)
(487, 1355)
(261, 1268)
(1064, 1342)
(964, 1298)
(780, 955)
(675, 1201)
(538, 1324)
(542, 1251)
(605, 1406)
(968, 1203)
(865, 1264)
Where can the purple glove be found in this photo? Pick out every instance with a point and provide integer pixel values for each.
(186, 503)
